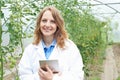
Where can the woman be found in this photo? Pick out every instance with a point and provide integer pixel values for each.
(51, 42)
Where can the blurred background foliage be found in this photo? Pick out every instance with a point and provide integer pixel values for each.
(88, 32)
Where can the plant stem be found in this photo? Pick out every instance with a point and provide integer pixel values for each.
(1, 55)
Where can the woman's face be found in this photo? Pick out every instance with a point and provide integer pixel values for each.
(48, 25)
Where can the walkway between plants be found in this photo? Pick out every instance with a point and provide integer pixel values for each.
(110, 70)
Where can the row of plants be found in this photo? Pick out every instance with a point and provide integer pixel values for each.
(84, 29)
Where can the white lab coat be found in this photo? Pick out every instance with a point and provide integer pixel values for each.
(69, 58)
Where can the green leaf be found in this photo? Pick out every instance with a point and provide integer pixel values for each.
(1, 14)
(2, 3)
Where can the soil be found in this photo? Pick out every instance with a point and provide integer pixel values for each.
(116, 51)
(111, 65)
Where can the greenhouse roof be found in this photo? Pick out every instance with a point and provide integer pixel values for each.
(108, 9)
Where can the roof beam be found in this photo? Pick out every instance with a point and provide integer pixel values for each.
(107, 5)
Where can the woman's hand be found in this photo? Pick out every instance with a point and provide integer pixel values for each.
(45, 75)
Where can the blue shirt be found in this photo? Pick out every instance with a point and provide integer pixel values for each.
(48, 50)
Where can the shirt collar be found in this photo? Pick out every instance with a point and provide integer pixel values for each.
(52, 44)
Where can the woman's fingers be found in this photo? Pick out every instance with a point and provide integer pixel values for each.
(48, 69)
(45, 75)
(41, 73)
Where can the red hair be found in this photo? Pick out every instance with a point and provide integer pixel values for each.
(60, 34)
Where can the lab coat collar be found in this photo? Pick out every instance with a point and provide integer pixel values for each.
(56, 51)
(38, 46)
(40, 50)
(52, 44)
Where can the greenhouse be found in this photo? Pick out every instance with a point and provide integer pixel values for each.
(93, 25)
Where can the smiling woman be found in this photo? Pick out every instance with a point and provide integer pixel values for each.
(51, 42)
(51, 15)
(48, 25)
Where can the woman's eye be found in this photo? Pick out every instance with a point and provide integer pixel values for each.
(44, 20)
(52, 21)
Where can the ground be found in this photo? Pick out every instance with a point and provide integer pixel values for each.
(111, 64)
(116, 51)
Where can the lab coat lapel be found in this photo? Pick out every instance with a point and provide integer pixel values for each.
(55, 53)
(40, 51)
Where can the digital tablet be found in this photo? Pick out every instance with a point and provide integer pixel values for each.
(52, 64)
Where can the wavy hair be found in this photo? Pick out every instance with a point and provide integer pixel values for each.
(60, 34)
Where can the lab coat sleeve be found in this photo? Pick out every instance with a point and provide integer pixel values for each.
(25, 69)
(76, 68)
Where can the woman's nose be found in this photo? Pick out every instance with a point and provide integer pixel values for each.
(48, 24)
